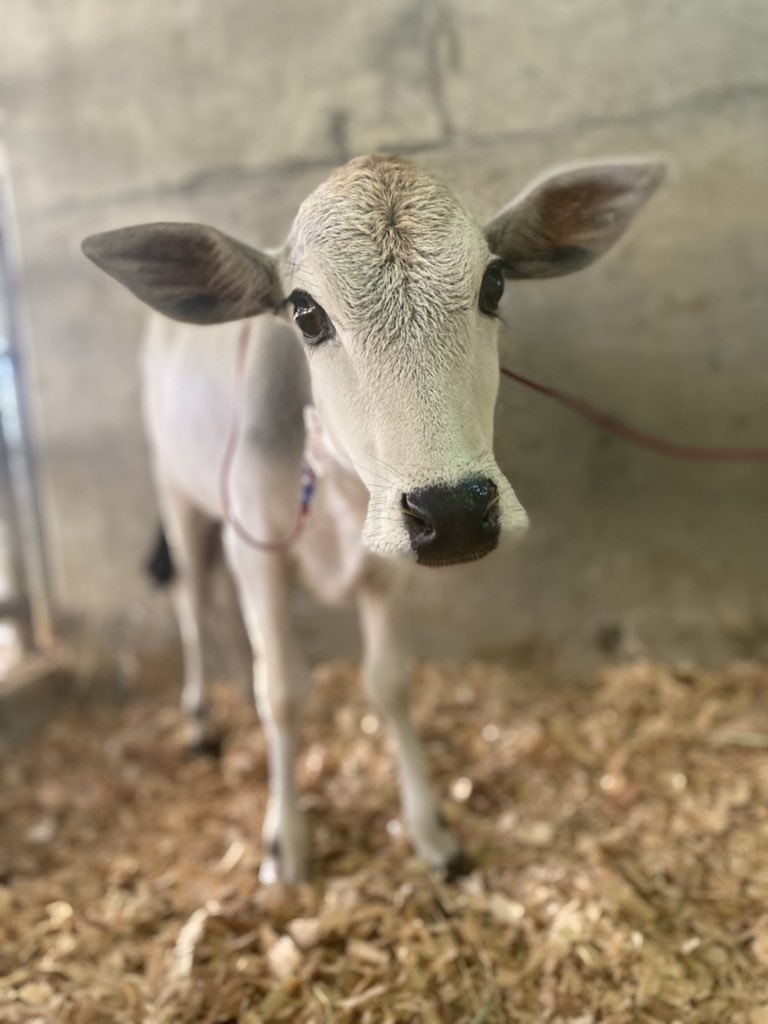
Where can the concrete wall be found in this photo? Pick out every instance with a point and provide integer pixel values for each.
(231, 112)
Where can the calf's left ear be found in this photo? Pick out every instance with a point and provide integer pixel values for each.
(189, 272)
(568, 220)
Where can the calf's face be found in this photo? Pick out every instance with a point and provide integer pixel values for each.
(395, 291)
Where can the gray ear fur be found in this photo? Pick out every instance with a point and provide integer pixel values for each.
(570, 219)
(189, 272)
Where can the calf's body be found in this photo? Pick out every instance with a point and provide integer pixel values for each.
(190, 376)
(372, 354)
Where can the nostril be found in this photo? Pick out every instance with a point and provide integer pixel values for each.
(492, 508)
(421, 523)
(412, 510)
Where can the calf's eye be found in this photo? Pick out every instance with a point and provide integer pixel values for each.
(311, 319)
(491, 289)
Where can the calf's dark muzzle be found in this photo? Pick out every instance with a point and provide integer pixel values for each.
(449, 524)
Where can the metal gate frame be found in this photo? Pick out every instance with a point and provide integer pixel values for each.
(30, 606)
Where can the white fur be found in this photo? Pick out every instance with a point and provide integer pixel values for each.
(414, 358)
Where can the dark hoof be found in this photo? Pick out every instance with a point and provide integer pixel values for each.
(459, 864)
(208, 746)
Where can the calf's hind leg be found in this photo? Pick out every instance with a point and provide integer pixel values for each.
(191, 537)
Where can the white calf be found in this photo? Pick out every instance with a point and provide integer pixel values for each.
(375, 359)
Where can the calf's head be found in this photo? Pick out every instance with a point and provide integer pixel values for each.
(395, 291)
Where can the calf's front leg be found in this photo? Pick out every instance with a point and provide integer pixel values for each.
(387, 681)
(281, 682)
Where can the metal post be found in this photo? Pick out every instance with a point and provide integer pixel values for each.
(18, 607)
(30, 562)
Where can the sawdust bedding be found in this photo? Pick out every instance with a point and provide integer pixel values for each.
(620, 833)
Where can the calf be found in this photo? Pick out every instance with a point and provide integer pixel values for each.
(373, 356)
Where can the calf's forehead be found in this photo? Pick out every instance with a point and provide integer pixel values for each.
(382, 239)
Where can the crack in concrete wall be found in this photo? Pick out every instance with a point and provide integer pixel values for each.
(220, 179)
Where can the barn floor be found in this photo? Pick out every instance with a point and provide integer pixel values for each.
(621, 833)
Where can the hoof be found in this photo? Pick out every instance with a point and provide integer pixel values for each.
(286, 860)
(456, 866)
(206, 746)
(273, 870)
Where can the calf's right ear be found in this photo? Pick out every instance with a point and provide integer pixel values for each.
(188, 272)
